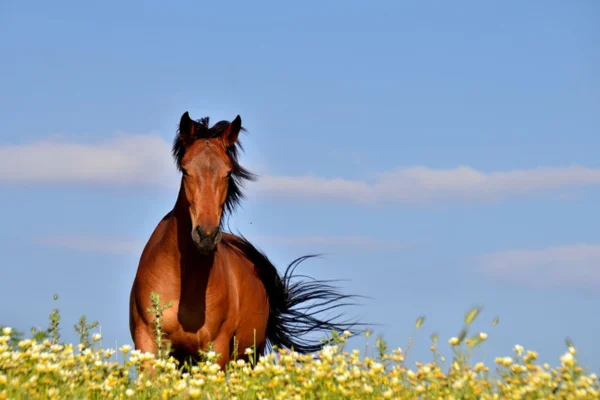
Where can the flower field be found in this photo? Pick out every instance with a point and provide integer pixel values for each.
(43, 368)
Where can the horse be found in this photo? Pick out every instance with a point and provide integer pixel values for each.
(224, 292)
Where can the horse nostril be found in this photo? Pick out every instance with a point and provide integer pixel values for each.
(218, 236)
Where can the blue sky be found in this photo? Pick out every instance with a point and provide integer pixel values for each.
(441, 156)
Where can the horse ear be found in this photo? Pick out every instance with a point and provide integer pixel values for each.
(232, 132)
(186, 127)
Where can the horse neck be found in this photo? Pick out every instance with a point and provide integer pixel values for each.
(180, 228)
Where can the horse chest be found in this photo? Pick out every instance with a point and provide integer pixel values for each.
(192, 323)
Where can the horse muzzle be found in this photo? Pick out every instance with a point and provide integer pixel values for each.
(206, 241)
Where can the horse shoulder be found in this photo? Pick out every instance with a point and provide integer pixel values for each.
(156, 272)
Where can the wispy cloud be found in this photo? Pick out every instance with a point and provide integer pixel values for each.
(134, 160)
(423, 184)
(93, 244)
(566, 265)
(119, 246)
(120, 160)
(363, 243)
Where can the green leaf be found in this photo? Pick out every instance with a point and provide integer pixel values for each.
(569, 342)
(420, 321)
(471, 315)
(474, 341)
(462, 335)
(434, 337)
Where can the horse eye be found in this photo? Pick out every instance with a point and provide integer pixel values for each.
(184, 172)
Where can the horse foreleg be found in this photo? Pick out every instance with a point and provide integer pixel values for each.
(221, 346)
(144, 341)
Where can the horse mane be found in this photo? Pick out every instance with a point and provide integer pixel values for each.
(239, 174)
(286, 322)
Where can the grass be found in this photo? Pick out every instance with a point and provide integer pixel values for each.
(40, 367)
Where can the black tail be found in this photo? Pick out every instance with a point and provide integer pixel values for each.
(287, 322)
(290, 316)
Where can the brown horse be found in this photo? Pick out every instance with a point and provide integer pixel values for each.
(219, 284)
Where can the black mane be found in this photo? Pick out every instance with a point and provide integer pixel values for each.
(239, 174)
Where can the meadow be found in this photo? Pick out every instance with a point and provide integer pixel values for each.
(41, 366)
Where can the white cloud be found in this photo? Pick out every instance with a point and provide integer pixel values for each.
(355, 242)
(423, 184)
(113, 245)
(146, 160)
(93, 244)
(566, 265)
(121, 160)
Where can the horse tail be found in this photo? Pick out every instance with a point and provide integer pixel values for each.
(291, 316)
